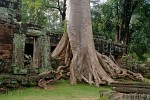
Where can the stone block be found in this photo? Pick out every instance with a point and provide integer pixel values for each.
(1, 31)
(2, 52)
(7, 56)
(7, 47)
(8, 30)
(19, 71)
(124, 96)
(0, 47)
(148, 62)
(1, 57)
(3, 90)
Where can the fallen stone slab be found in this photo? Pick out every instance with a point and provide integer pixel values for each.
(124, 96)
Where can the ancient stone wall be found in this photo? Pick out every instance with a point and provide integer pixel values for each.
(9, 18)
(6, 41)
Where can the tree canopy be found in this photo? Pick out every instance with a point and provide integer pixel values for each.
(108, 16)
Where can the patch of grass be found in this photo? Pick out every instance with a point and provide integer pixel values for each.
(146, 80)
(61, 90)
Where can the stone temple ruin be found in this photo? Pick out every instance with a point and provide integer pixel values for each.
(25, 51)
(21, 45)
(33, 50)
(25, 48)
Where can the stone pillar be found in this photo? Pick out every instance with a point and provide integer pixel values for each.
(44, 53)
(18, 50)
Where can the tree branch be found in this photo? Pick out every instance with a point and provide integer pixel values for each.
(59, 8)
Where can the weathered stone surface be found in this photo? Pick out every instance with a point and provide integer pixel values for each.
(6, 40)
(6, 47)
(15, 81)
(19, 71)
(18, 50)
(102, 45)
(148, 62)
(3, 90)
(124, 96)
(8, 23)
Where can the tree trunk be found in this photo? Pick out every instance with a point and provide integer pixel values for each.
(128, 9)
(77, 49)
(64, 10)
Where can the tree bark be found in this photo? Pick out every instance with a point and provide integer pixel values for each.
(77, 49)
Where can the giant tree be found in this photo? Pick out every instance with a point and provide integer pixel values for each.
(76, 48)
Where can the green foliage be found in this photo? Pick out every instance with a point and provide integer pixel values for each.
(43, 13)
(106, 16)
(140, 39)
(132, 63)
(33, 11)
(102, 20)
